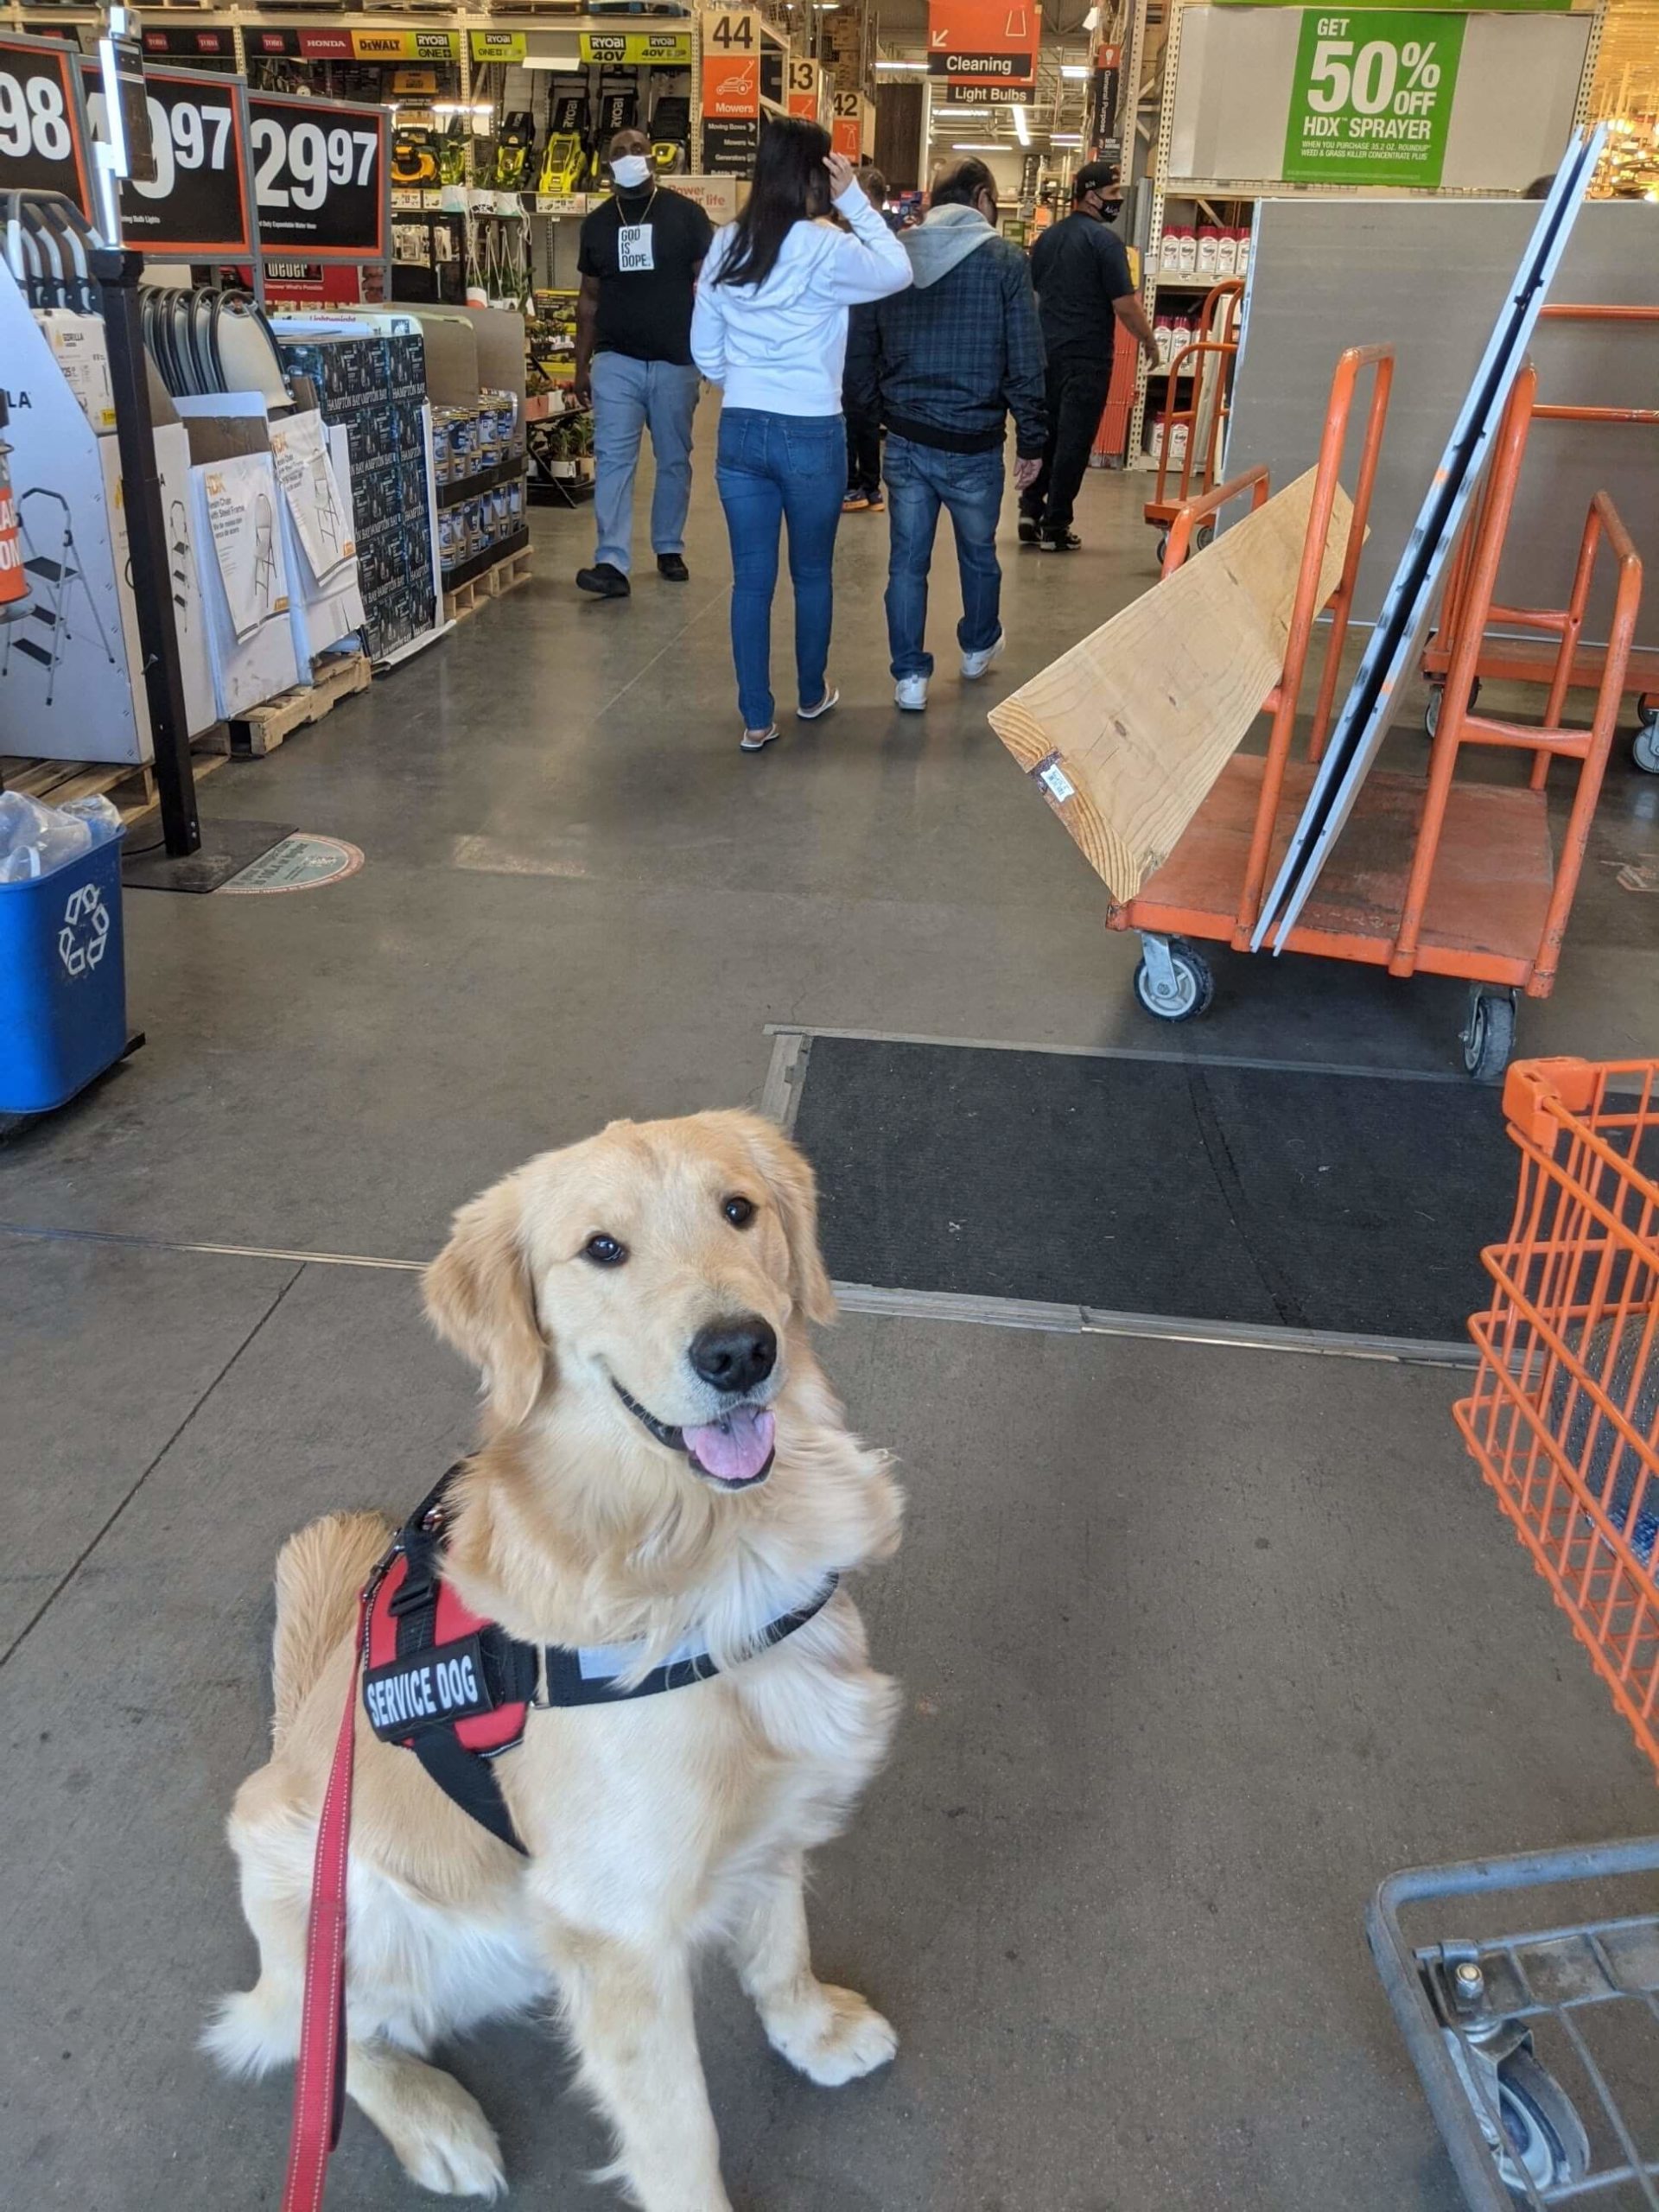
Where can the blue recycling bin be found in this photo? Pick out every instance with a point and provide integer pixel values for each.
(63, 980)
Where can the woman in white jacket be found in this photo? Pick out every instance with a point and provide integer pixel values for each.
(770, 325)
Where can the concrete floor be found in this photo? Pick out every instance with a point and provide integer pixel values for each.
(1198, 1644)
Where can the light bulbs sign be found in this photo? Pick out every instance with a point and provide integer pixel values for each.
(1372, 99)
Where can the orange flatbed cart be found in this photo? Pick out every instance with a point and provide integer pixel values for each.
(1523, 660)
(1440, 876)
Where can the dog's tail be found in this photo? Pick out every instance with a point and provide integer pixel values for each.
(319, 1573)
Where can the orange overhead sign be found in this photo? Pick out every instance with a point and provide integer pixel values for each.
(731, 64)
(805, 90)
(990, 40)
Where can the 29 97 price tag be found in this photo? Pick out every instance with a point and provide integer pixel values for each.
(40, 144)
(197, 202)
(320, 176)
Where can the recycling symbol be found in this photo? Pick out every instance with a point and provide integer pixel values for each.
(85, 931)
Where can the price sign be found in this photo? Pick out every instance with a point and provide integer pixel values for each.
(731, 63)
(199, 205)
(322, 176)
(1371, 100)
(43, 133)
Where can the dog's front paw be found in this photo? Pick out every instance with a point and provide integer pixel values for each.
(836, 2039)
(451, 2148)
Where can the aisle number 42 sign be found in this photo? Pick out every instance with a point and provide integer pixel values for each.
(731, 63)
(1372, 99)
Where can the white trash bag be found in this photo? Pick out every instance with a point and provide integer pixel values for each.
(36, 839)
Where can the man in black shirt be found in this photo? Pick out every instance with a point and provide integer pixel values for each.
(1084, 291)
(640, 257)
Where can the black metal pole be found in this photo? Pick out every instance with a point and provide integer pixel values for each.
(117, 272)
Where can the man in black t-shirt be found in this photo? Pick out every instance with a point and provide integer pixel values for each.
(640, 257)
(1084, 290)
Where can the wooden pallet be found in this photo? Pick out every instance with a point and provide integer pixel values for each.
(130, 788)
(263, 727)
(505, 576)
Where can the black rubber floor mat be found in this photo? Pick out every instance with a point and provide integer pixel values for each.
(1202, 1192)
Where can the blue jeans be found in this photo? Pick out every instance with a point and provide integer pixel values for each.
(629, 397)
(773, 468)
(920, 480)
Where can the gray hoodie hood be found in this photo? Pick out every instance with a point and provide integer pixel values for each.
(946, 236)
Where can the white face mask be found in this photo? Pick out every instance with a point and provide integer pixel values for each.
(631, 171)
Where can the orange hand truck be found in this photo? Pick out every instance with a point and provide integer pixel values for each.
(1514, 660)
(1563, 1421)
(1208, 358)
(1453, 879)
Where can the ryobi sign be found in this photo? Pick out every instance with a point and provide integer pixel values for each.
(1372, 99)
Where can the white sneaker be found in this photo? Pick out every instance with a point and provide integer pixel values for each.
(973, 665)
(911, 692)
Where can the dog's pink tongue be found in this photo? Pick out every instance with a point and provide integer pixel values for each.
(735, 1448)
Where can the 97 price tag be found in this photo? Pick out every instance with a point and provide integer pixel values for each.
(198, 201)
(321, 177)
(42, 145)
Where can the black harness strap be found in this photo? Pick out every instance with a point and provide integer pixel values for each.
(514, 1673)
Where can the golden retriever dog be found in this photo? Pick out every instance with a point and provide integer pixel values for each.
(662, 1462)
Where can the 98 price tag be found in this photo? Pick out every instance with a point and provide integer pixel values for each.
(321, 176)
(41, 139)
(197, 202)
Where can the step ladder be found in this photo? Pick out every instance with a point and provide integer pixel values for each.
(54, 577)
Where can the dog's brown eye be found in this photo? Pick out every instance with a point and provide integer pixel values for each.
(739, 1211)
(604, 1251)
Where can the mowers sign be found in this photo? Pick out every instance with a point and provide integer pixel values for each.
(1372, 99)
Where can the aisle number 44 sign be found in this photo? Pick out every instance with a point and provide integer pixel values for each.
(1372, 99)
(731, 63)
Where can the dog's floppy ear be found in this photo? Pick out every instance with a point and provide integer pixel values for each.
(795, 1193)
(479, 1297)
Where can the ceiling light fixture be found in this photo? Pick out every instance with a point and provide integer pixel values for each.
(922, 66)
(1076, 71)
(976, 146)
(1021, 127)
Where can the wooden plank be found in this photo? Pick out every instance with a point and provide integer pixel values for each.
(1126, 733)
(130, 785)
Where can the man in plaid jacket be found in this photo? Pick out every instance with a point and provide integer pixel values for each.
(945, 363)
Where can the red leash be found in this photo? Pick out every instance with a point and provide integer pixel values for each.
(320, 2079)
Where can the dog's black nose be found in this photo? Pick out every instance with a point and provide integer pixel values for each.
(735, 1355)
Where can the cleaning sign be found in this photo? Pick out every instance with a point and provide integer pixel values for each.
(1372, 99)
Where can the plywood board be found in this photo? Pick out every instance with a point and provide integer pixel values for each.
(1125, 733)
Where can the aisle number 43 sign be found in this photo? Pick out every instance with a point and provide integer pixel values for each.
(1372, 99)
(731, 63)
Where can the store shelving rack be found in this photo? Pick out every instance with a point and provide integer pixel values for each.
(1247, 190)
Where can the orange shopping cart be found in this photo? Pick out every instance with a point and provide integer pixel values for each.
(1532, 2047)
